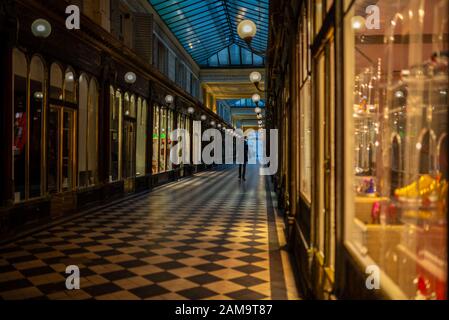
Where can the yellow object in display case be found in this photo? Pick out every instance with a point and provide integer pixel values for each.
(424, 187)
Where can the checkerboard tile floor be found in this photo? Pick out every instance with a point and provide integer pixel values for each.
(206, 237)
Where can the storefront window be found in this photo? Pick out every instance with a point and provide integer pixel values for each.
(115, 135)
(163, 140)
(83, 95)
(155, 162)
(188, 133)
(181, 125)
(20, 123)
(305, 106)
(92, 133)
(69, 86)
(169, 141)
(318, 14)
(141, 137)
(87, 132)
(396, 133)
(67, 149)
(128, 139)
(306, 141)
(37, 95)
(56, 82)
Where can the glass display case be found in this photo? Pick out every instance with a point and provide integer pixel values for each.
(396, 113)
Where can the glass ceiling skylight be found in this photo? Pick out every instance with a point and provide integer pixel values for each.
(207, 29)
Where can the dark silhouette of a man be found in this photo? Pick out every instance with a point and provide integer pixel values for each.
(245, 161)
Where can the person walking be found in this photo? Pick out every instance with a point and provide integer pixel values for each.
(242, 166)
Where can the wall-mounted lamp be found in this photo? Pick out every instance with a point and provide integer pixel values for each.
(247, 30)
(130, 77)
(191, 110)
(169, 99)
(41, 28)
(255, 78)
(256, 98)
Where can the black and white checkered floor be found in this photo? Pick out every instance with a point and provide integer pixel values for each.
(206, 237)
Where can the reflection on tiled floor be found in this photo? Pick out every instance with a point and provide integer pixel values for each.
(208, 237)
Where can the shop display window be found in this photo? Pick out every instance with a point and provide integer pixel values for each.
(37, 95)
(181, 125)
(141, 137)
(155, 161)
(28, 125)
(115, 135)
(20, 66)
(170, 123)
(129, 136)
(188, 135)
(83, 119)
(163, 140)
(396, 89)
(318, 11)
(69, 86)
(56, 82)
(305, 106)
(92, 133)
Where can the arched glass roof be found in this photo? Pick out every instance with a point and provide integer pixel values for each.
(208, 29)
(243, 103)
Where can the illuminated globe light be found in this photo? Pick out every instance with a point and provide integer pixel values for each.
(191, 110)
(203, 117)
(38, 95)
(358, 23)
(399, 94)
(255, 77)
(246, 29)
(169, 99)
(260, 122)
(212, 123)
(258, 110)
(69, 76)
(259, 116)
(41, 28)
(130, 77)
(256, 98)
(219, 125)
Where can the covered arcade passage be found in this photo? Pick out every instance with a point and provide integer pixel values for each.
(98, 160)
